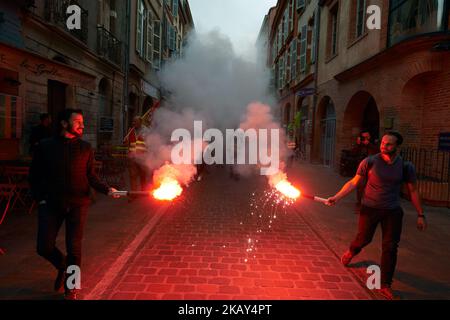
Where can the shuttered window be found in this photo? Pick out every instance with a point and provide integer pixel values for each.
(149, 36)
(10, 117)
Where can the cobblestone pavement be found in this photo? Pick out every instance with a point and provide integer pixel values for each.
(418, 254)
(207, 245)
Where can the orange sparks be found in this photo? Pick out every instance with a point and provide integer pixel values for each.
(280, 182)
(168, 190)
(287, 189)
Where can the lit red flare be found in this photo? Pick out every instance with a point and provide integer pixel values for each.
(168, 190)
(287, 189)
(280, 182)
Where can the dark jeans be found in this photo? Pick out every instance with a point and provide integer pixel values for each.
(49, 222)
(391, 226)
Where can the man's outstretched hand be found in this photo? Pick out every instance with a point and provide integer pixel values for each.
(331, 201)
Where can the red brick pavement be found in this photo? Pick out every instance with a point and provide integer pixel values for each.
(199, 250)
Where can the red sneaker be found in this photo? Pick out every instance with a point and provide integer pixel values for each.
(347, 258)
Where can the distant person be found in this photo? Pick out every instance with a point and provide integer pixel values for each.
(136, 151)
(364, 148)
(61, 175)
(385, 173)
(40, 132)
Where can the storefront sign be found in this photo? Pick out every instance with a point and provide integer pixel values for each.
(306, 92)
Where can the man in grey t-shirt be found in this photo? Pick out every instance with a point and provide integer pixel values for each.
(385, 173)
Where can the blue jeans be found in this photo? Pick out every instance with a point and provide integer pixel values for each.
(50, 220)
(391, 226)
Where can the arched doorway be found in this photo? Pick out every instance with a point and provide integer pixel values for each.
(361, 114)
(327, 118)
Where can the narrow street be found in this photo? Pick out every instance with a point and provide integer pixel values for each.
(207, 246)
(198, 247)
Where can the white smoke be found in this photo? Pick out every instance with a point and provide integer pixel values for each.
(212, 80)
(212, 84)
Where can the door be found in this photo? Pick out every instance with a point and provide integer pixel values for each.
(56, 101)
(328, 136)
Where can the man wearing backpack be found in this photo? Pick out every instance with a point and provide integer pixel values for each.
(385, 173)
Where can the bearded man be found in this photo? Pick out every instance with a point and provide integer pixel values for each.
(61, 175)
(385, 174)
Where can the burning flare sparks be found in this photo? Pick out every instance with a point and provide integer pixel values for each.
(287, 189)
(280, 182)
(168, 190)
(170, 178)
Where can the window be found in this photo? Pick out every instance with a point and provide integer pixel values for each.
(294, 59)
(273, 53)
(140, 28)
(272, 76)
(313, 40)
(299, 51)
(291, 16)
(278, 39)
(174, 39)
(409, 18)
(303, 45)
(10, 117)
(281, 70)
(288, 64)
(165, 33)
(360, 17)
(333, 31)
(149, 47)
(172, 36)
(286, 22)
(175, 8)
(277, 76)
(157, 44)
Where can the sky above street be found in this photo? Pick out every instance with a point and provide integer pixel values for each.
(240, 20)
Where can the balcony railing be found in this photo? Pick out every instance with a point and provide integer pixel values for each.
(55, 12)
(408, 18)
(109, 46)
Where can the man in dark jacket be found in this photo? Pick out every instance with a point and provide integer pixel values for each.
(61, 175)
(40, 132)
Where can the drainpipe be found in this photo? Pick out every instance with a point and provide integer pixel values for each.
(126, 70)
(316, 75)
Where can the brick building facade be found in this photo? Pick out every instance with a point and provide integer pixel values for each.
(108, 67)
(393, 78)
(46, 67)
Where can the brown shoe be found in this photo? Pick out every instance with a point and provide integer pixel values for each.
(347, 258)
